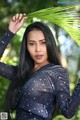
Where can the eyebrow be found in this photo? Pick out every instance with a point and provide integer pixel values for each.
(39, 40)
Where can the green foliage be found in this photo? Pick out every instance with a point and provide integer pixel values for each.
(64, 17)
(3, 87)
(61, 16)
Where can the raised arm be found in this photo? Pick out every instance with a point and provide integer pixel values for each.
(15, 24)
(5, 40)
(68, 104)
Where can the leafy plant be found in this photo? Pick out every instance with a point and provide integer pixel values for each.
(64, 17)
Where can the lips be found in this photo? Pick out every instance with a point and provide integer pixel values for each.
(38, 56)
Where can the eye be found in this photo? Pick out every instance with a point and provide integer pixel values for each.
(43, 42)
(31, 44)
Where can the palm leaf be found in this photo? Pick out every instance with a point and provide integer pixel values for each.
(63, 17)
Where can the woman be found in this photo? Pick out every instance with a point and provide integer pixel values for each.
(39, 82)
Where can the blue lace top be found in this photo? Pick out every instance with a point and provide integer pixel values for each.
(45, 88)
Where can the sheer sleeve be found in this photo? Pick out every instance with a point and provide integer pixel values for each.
(68, 104)
(7, 71)
(4, 41)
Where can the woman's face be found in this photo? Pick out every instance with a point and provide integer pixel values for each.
(36, 45)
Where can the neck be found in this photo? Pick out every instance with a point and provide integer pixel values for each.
(37, 66)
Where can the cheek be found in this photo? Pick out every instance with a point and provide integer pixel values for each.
(44, 49)
(30, 50)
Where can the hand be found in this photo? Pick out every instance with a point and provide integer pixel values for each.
(16, 23)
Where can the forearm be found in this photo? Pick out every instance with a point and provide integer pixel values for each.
(4, 41)
(69, 104)
(8, 71)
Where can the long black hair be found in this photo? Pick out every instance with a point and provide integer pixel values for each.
(26, 63)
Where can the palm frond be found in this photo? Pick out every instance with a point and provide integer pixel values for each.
(64, 17)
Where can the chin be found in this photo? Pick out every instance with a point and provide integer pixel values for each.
(39, 62)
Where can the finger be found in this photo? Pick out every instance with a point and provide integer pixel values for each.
(13, 18)
(20, 16)
(17, 16)
(24, 14)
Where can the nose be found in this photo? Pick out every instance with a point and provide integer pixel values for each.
(38, 48)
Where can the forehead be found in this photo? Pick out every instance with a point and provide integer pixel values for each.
(35, 34)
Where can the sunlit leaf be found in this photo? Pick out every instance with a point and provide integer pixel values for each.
(64, 17)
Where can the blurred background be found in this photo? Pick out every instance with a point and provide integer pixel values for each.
(69, 50)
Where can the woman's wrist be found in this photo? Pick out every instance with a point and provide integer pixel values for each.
(12, 31)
